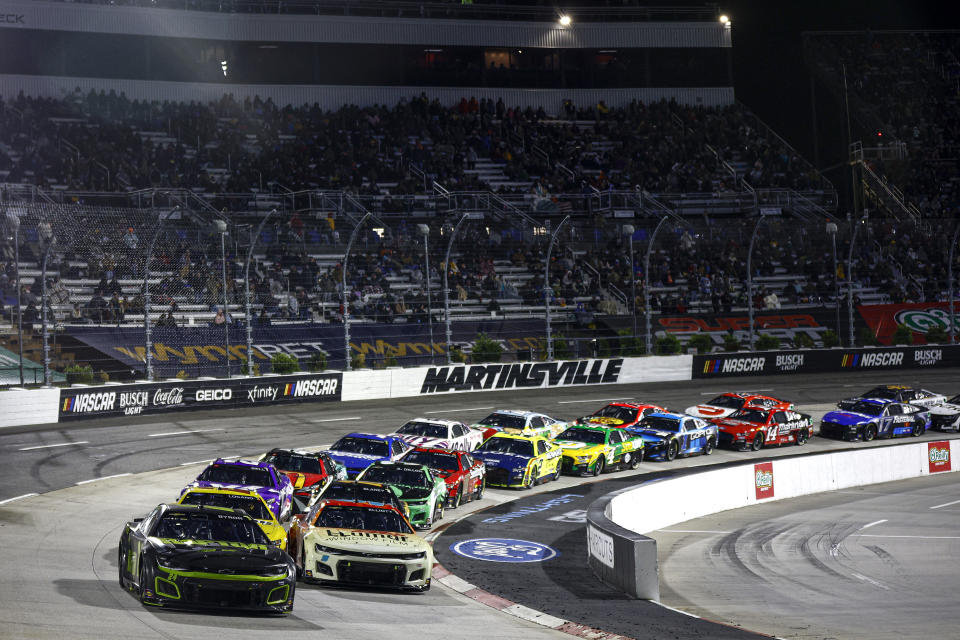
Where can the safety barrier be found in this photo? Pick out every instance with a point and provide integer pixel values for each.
(618, 521)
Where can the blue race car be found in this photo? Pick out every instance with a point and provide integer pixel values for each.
(668, 435)
(875, 418)
(262, 477)
(357, 451)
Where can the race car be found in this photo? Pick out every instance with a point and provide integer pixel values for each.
(358, 543)
(309, 471)
(589, 450)
(244, 499)
(619, 414)
(369, 492)
(875, 418)
(465, 476)
(897, 393)
(423, 492)
(946, 416)
(204, 557)
(525, 423)
(519, 461)
(726, 403)
(357, 451)
(757, 428)
(262, 477)
(668, 435)
(440, 434)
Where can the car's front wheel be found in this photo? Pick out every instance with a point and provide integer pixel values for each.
(455, 500)
(869, 432)
(918, 428)
(802, 436)
(673, 449)
(598, 468)
(757, 443)
(122, 562)
(708, 447)
(478, 491)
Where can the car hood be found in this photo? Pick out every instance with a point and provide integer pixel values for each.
(413, 493)
(366, 541)
(210, 556)
(847, 417)
(944, 409)
(730, 424)
(579, 448)
(602, 421)
(268, 493)
(507, 460)
(654, 435)
(354, 460)
(708, 411)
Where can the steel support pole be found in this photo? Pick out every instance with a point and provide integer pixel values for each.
(446, 288)
(646, 289)
(546, 286)
(953, 245)
(43, 313)
(836, 278)
(633, 290)
(426, 255)
(346, 301)
(753, 239)
(226, 313)
(16, 254)
(246, 291)
(853, 240)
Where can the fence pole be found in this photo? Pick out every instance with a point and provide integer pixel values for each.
(346, 301)
(148, 337)
(446, 288)
(246, 291)
(546, 286)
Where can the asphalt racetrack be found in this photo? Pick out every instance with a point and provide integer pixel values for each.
(59, 547)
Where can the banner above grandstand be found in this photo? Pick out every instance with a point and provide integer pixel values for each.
(920, 318)
(292, 27)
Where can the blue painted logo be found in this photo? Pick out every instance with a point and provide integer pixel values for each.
(504, 550)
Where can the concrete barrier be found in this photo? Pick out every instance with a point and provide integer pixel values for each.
(623, 517)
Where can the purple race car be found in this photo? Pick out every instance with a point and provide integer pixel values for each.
(262, 477)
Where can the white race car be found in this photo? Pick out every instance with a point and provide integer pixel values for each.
(727, 403)
(524, 423)
(946, 416)
(898, 393)
(440, 434)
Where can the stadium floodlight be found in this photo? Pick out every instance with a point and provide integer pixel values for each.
(725, 19)
(565, 21)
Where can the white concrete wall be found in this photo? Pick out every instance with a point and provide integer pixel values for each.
(22, 406)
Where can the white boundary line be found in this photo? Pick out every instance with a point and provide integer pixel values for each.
(118, 475)
(26, 495)
(50, 446)
(181, 433)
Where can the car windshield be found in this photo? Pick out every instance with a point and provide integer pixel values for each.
(225, 527)
(286, 461)
(365, 518)
(504, 421)
(627, 414)
(661, 424)
(434, 460)
(359, 492)
(750, 415)
(884, 393)
(361, 445)
(237, 474)
(867, 408)
(253, 505)
(396, 475)
(428, 429)
(576, 434)
(727, 402)
(508, 445)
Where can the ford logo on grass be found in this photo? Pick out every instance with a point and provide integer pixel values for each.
(504, 550)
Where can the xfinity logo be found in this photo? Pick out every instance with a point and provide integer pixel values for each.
(927, 357)
(258, 394)
(790, 362)
(210, 395)
(743, 365)
(11, 18)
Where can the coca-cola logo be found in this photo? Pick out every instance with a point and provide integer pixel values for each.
(764, 479)
(168, 398)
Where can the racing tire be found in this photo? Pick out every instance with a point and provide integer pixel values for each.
(709, 447)
(556, 474)
(530, 479)
(478, 491)
(757, 443)
(636, 457)
(455, 501)
(673, 449)
(121, 563)
(802, 436)
(423, 589)
(437, 513)
(298, 563)
(869, 433)
(598, 469)
(918, 429)
(140, 585)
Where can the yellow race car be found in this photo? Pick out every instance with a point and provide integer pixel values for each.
(519, 461)
(246, 500)
(588, 450)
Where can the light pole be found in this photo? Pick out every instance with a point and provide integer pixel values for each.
(222, 230)
(953, 245)
(43, 313)
(853, 240)
(646, 289)
(13, 223)
(628, 233)
(753, 238)
(446, 288)
(832, 232)
(346, 301)
(425, 232)
(246, 291)
(546, 285)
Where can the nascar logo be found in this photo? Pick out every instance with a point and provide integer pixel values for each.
(888, 359)
(89, 402)
(315, 387)
(734, 365)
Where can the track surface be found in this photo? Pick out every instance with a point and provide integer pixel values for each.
(60, 567)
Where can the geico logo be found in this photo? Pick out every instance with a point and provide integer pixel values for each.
(319, 387)
(764, 479)
(889, 359)
(95, 402)
(939, 455)
(791, 361)
(207, 395)
(740, 365)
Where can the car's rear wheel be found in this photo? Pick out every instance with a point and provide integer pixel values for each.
(918, 428)
(708, 447)
(455, 500)
(802, 436)
(122, 562)
(478, 491)
(869, 433)
(757, 443)
(556, 474)
(673, 449)
(141, 583)
(636, 457)
(598, 468)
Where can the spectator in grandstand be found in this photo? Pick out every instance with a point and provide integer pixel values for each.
(220, 317)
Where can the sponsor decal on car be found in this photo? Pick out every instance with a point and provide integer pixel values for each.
(938, 454)
(763, 480)
(600, 546)
(504, 550)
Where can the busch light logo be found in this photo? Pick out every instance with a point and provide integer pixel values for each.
(790, 362)
(927, 357)
(504, 550)
(938, 453)
(763, 480)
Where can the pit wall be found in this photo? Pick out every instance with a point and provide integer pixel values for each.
(43, 406)
(623, 557)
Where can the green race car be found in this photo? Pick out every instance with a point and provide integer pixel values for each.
(421, 490)
(588, 450)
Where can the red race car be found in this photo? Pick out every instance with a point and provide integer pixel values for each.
(465, 476)
(309, 471)
(757, 428)
(620, 414)
(726, 403)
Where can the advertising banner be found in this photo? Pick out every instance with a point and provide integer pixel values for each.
(785, 325)
(824, 360)
(159, 397)
(763, 480)
(938, 453)
(920, 318)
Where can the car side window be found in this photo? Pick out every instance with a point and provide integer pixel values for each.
(616, 437)
(687, 425)
(536, 422)
(541, 447)
(780, 417)
(457, 431)
(148, 522)
(467, 460)
(399, 446)
(894, 410)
